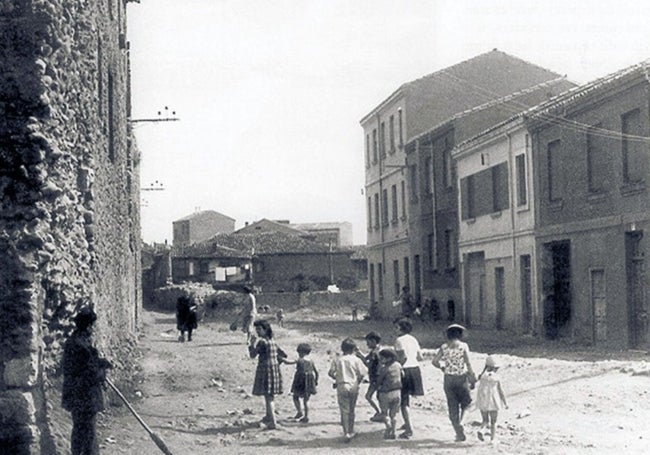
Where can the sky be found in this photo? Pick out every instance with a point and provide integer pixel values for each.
(270, 93)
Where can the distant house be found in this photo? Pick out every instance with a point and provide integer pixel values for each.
(266, 225)
(201, 226)
(338, 233)
(274, 261)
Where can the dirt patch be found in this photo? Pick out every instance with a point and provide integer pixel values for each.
(196, 396)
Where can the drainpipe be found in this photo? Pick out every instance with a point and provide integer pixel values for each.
(381, 211)
(513, 204)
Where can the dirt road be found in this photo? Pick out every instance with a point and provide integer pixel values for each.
(196, 396)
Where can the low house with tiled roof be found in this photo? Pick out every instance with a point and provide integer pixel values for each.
(272, 261)
(339, 233)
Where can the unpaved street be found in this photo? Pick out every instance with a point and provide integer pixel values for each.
(196, 396)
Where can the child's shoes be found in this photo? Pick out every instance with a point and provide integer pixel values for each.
(298, 416)
(304, 419)
(378, 417)
(389, 434)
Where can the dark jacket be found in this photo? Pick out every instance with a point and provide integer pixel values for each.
(84, 372)
(185, 315)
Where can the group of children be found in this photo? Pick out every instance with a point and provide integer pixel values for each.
(393, 374)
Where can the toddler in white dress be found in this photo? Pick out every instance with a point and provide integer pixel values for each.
(489, 397)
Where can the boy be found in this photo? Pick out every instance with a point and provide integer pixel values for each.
(371, 361)
(348, 371)
(389, 386)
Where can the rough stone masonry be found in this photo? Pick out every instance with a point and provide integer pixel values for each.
(69, 216)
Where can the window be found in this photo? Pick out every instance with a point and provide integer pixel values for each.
(413, 173)
(369, 213)
(367, 150)
(450, 248)
(391, 133)
(430, 249)
(596, 161)
(446, 162)
(371, 276)
(374, 145)
(403, 184)
(555, 177)
(500, 187)
(399, 122)
(190, 268)
(396, 277)
(111, 117)
(522, 187)
(380, 281)
(393, 197)
(384, 207)
(382, 140)
(428, 171)
(376, 210)
(407, 272)
(467, 197)
(633, 162)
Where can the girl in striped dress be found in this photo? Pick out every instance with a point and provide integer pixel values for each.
(268, 380)
(305, 381)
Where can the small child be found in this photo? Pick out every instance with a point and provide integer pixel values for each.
(355, 314)
(348, 371)
(389, 386)
(489, 397)
(280, 317)
(305, 381)
(371, 360)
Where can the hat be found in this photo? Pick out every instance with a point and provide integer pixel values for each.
(85, 317)
(490, 362)
(456, 326)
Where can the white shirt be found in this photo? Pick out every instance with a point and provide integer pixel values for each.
(410, 346)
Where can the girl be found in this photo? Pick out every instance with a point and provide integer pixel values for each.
(389, 386)
(407, 348)
(268, 380)
(453, 359)
(348, 371)
(489, 397)
(305, 381)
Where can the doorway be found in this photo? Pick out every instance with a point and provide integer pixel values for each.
(475, 288)
(500, 297)
(556, 282)
(636, 298)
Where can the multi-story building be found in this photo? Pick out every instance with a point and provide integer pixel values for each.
(409, 172)
(201, 226)
(591, 161)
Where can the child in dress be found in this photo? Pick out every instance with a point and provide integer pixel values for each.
(305, 381)
(389, 389)
(453, 359)
(371, 360)
(489, 397)
(348, 371)
(268, 380)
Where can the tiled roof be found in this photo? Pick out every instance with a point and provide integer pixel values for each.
(245, 245)
(438, 96)
(546, 110)
(319, 226)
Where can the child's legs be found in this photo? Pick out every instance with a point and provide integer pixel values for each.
(484, 418)
(270, 414)
(372, 388)
(342, 395)
(305, 401)
(296, 403)
(393, 408)
(493, 422)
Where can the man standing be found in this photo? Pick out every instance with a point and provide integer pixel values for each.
(407, 303)
(84, 373)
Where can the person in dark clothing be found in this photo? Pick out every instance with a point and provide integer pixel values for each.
(186, 319)
(84, 373)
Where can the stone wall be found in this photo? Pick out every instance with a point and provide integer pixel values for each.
(69, 213)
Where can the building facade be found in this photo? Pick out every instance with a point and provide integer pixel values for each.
(410, 187)
(69, 216)
(591, 164)
(201, 226)
(496, 232)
